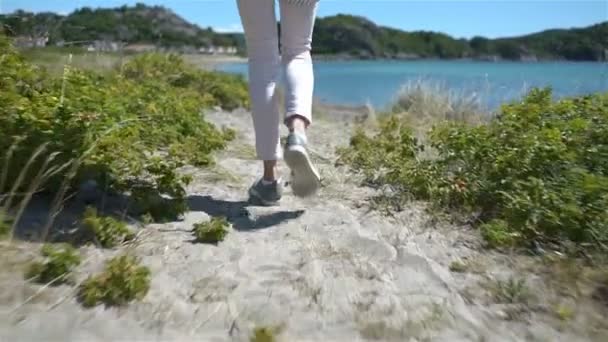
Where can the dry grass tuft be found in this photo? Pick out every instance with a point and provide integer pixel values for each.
(424, 104)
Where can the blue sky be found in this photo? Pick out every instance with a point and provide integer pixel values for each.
(490, 18)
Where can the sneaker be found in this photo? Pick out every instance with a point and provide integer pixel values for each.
(266, 193)
(305, 179)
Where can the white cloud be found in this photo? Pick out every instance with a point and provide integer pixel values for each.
(233, 28)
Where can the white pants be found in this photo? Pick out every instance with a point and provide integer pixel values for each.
(265, 65)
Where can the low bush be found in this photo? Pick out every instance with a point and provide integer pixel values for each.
(131, 129)
(122, 281)
(537, 172)
(108, 231)
(212, 231)
(59, 261)
(220, 89)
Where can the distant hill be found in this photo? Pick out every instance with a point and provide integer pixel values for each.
(344, 36)
(129, 24)
(359, 37)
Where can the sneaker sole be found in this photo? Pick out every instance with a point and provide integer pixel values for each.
(305, 178)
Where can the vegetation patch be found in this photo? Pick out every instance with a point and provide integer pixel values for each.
(564, 312)
(212, 231)
(59, 262)
(510, 291)
(108, 231)
(4, 224)
(537, 172)
(122, 281)
(458, 267)
(131, 129)
(266, 334)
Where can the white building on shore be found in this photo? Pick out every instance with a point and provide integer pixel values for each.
(218, 50)
(30, 42)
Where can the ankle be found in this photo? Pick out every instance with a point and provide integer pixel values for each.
(270, 171)
(297, 124)
(269, 177)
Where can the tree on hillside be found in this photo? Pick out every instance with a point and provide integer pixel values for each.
(481, 45)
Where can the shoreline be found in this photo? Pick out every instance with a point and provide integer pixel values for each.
(224, 58)
(347, 58)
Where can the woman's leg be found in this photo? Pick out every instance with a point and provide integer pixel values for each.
(259, 22)
(297, 22)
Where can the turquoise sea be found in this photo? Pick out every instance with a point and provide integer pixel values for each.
(377, 82)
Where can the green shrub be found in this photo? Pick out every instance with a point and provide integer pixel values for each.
(131, 129)
(537, 172)
(224, 90)
(391, 156)
(394, 140)
(108, 231)
(123, 280)
(59, 261)
(498, 234)
(212, 231)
